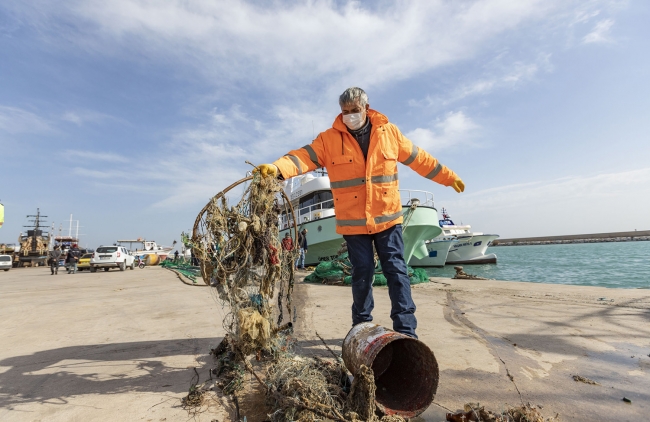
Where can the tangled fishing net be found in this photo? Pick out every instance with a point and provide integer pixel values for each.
(238, 249)
(241, 258)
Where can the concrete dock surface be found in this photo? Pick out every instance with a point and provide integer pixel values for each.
(123, 345)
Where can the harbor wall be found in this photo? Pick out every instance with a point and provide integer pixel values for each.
(576, 238)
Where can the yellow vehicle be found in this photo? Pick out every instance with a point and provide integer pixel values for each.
(84, 262)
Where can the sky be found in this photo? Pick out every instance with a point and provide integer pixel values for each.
(131, 114)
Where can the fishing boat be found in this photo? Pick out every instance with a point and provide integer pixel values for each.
(463, 245)
(313, 204)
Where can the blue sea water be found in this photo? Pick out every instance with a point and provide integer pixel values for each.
(616, 264)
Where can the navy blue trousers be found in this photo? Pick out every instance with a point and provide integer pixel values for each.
(390, 249)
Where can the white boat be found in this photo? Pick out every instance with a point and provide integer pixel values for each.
(313, 204)
(466, 247)
(149, 247)
(437, 251)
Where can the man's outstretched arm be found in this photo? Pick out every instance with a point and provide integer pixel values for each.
(425, 164)
(297, 161)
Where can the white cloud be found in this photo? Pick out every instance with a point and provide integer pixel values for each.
(503, 74)
(100, 174)
(95, 156)
(282, 44)
(584, 16)
(600, 33)
(16, 120)
(81, 117)
(455, 130)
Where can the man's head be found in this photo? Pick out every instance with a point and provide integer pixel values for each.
(287, 234)
(304, 231)
(354, 107)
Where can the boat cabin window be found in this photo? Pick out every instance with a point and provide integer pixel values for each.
(316, 198)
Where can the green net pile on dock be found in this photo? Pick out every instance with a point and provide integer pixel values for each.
(339, 271)
(184, 268)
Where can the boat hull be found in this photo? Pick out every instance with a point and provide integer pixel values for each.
(471, 250)
(324, 243)
(436, 256)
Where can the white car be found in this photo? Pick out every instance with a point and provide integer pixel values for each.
(108, 257)
(5, 262)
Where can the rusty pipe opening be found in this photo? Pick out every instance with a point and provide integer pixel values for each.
(405, 369)
(405, 376)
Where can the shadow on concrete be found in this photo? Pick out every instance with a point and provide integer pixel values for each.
(51, 376)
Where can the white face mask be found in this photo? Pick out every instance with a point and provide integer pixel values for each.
(354, 121)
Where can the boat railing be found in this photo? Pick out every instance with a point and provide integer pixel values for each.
(308, 213)
(409, 196)
(319, 206)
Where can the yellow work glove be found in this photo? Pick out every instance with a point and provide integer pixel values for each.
(458, 185)
(267, 170)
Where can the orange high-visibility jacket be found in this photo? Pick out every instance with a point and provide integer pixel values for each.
(366, 192)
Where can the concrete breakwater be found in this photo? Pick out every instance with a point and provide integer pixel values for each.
(576, 238)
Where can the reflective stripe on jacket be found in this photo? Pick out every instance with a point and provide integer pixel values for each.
(366, 192)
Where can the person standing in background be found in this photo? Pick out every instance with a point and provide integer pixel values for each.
(287, 242)
(302, 249)
(73, 256)
(55, 255)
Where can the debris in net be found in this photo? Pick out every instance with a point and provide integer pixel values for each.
(195, 398)
(240, 256)
(361, 399)
(524, 413)
(579, 378)
(462, 275)
(392, 418)
(302, 388)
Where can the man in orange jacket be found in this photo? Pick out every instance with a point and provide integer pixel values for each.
(360, 152)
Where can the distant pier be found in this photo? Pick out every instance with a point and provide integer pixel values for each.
(576, 238)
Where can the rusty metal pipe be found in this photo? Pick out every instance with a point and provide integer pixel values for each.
(405, 369)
